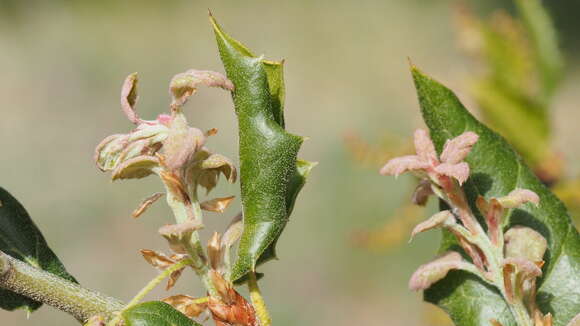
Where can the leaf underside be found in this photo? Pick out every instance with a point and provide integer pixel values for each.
(155, 313)
(270, 174)
(496, 169)
(21, 239)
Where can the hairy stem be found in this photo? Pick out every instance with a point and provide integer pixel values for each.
(258, 301)
(55, 291)
(150, 286)
(182, 211)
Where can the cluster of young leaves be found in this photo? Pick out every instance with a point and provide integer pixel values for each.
(21, 239)
(496, 170)
(270, 173)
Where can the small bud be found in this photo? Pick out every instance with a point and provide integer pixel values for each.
(179, 148)
(440, 219)
(456, 149)
(214, 251)
(223, 287)
(422, 193)
(518, 197)
(435, 270)
(217, 205)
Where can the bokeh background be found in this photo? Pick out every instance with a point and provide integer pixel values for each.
(62, 63)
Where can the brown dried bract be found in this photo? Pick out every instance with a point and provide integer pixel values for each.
(231, 309)
(162, 262)
(189, 306)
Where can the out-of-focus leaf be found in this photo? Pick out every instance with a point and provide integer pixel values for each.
(21, 239)
(155, 313)
(523, 66)
(542, 33)
(496, 170)
(270, 174)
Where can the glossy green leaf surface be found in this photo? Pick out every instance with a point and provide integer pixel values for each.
(496, 169)
(155, 313)
(21, 239)
(270, 174)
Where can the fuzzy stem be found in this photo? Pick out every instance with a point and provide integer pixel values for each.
(55, 291)
(181, 211)
(150, 286)
(258, 301)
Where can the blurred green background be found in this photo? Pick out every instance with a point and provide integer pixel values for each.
(61, 67)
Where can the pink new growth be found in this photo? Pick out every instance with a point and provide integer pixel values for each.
(426, 162)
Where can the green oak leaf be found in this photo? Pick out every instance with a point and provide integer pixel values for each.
(155, 313)
(270, 174)
(21, 239)
(496, 169)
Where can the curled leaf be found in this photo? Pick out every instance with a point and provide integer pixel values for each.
(435, 270)
(459, 171)
(107, 151)
(146, 203)
(176, 187)
(157, 260)
(129, 98)
(440, 219)
(424, 146)
(208, 169)
(456, 149)
(177, 234)
(524, 242)
(185, 84)
(136, 168)
(217, 205)
(518, 197)
(162, 262)
(527, 268)
(400, 165)
(189, 306)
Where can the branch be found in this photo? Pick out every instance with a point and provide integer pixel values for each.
(57, 292)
